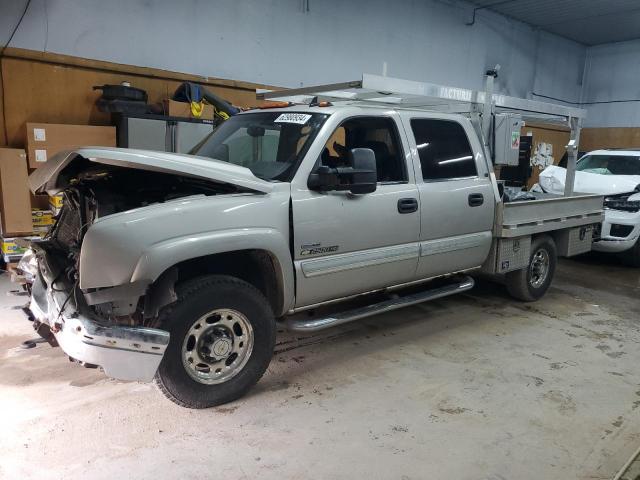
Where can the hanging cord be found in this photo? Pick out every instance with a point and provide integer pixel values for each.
(15, 29)
(64, 304)
(628, 100)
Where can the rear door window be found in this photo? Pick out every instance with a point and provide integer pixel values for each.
(444, 149)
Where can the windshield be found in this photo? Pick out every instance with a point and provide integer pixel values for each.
(610, 164)
(270, 144)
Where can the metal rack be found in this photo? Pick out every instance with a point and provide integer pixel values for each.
(480, 106)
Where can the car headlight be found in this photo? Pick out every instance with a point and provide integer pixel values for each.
(621, 204)
(28, 265)
(625, 202)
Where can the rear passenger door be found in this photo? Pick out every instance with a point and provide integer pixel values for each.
(456, 195)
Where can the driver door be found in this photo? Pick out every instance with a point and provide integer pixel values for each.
(346, 244)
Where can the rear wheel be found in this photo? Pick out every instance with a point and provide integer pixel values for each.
(531, 283)
(222, 338)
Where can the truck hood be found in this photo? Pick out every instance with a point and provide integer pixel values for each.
(45, 178)
(552, 180)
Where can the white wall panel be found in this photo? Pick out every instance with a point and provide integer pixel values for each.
(275, 42)
(613, 74)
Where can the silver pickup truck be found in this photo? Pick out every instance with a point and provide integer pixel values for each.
(178, 268)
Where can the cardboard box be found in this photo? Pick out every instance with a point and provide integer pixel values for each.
(15, 200)
(40, 154)
(10, 247)
(55, 201)
(46, 139)
(40, 201)
(61, 134)
(183, 109)
(13, 248)
(41, 220)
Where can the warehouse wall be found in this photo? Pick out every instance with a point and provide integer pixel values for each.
(612, 74)
(53, 88)
(277, 42)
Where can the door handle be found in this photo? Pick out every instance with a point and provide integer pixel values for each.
(407, 205)
(476, 199)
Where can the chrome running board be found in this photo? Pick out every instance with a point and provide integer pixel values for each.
(315, 324)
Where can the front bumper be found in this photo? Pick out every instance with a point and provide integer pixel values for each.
(123, 352)
(614, 244)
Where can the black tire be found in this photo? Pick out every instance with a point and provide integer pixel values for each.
(521, 283)
(632, 256)
(196, 298)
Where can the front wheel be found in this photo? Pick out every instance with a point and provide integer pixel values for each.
(222, 338)
(531, 283)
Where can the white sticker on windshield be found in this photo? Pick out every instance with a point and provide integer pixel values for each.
(299, 118)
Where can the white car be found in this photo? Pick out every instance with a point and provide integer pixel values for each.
(616, 174)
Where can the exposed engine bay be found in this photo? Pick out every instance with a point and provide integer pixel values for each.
(97, 190)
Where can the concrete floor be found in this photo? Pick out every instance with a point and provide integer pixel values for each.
(471, 387)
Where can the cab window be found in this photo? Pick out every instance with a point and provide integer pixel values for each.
(379, 134)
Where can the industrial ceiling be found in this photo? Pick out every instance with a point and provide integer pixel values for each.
(590, 22)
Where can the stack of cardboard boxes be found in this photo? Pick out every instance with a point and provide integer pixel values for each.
(25, 217)
(15, 202)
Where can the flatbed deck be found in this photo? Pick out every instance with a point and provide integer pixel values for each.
(547, 213)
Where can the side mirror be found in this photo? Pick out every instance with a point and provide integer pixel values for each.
(364, 178)
(359, 177)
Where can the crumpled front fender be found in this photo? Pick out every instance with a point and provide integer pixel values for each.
(137, 246)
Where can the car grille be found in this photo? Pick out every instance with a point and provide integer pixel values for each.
(621, 202)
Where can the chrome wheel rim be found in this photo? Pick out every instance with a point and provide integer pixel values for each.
(217, 346)
(539, 268)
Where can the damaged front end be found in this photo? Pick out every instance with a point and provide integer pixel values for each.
(88, 291)
(90, 334)
(124, 352)
(621, 226)
(107, 324)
